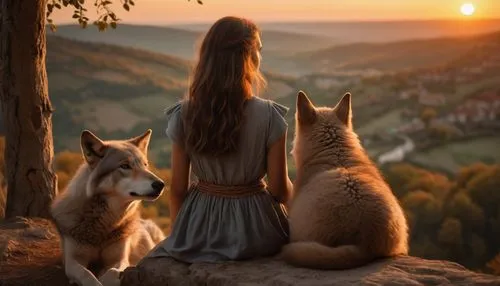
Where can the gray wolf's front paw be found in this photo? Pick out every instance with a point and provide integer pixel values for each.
(111, 277)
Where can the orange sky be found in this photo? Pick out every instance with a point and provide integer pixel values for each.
(182, 11)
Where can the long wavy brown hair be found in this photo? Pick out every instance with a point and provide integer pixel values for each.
(223, 79)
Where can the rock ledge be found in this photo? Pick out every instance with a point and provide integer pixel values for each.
(397, 271)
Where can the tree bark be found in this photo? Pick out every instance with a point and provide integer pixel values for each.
(26, 109)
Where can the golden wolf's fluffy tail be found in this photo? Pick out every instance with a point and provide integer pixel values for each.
(156, 233)
(311, 254)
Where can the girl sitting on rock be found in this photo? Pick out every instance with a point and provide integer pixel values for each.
(229, 140)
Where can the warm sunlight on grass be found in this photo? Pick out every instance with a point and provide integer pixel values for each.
(467, 9)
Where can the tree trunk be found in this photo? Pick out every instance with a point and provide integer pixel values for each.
(26, 109)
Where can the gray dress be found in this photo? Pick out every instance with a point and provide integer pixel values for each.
(212, 228)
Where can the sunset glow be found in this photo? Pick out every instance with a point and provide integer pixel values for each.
(184, 11)
(467, 9)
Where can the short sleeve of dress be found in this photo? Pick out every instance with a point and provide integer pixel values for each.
(174, 123)
(277, 123)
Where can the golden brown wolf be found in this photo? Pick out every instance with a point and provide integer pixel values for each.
(98, 215)
(343, 214)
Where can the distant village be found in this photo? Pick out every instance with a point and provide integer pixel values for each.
(458, 114)
(484, 107)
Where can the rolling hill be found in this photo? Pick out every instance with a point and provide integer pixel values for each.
(294, 52)
(388, 57)
(377, 31)
(183, 43)
(175, 42)
(118, 91)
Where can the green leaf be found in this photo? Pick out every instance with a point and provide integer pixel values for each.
(50, 7)
(131, 2)
(126, 7)
(75, 16)
(113, 25)
(106, 3)
(199, 2)
(57, 5)
(81, 1)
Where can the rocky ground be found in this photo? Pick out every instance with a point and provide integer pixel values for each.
(399, 271)
(30, 254)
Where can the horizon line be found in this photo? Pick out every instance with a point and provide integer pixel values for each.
(301, 21)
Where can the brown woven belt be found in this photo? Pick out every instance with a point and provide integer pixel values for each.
(231, 191)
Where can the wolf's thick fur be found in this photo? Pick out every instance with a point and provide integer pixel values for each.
(98, 213)
(343, 214)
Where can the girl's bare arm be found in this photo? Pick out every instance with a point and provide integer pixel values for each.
(280, 185)
(180, 179)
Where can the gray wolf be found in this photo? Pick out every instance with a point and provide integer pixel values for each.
(98, 214)
(343, 214)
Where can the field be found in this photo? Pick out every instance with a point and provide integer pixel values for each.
(383, 124)
(463, 91)
(453, 156)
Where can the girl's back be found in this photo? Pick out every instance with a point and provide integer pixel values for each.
(263, 124)
(224, 227)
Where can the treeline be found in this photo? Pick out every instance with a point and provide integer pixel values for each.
(453, 218)
(456, 218)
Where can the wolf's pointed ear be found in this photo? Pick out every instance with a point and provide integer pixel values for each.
(93, 148)
(142, 141)
(343, 110)
(306, 113)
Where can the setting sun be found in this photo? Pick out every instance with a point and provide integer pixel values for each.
(467, 9)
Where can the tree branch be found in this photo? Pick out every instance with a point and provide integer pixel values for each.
(106, 16)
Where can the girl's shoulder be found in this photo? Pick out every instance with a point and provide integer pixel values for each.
(175, 109)
(269, 116)
(175, 125)
(262, 105)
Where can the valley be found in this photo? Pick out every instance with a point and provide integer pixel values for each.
(440, 92)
